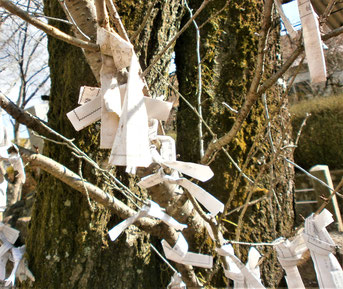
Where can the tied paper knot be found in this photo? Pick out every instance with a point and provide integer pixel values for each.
(17, 255)
(250, 271)
(179, 254)
(318, 240)
(153, 210)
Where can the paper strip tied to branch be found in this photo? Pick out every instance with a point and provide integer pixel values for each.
(153, 210)
(17, 255)
(179, 254)
(17, 163)
(167, 157)
(213, 205)
(312, 41)
(289, 254)
(246, 276)
(328, 270)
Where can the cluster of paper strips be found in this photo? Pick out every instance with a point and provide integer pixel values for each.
(318, 241)
(8, 251)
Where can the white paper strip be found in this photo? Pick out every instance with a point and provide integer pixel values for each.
(289, 253)
(250, 272)
(213, 205)
(88, 94)
(153, 128)
(179, 254)
(153, 210)
(3, 261)
(131, 143)
(176, 282)
(23, 272)
(158, 109)
(328, 270)
(9, 233)
(286, 22)
(17, 254)
(312, 41)
(110, 103)
(86, 114)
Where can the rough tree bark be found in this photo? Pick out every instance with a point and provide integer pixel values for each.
(228, 52)
(68, 245)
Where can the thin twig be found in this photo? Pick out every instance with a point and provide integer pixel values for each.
(84, 185)
(145, 20)
(197, 33)
(249, 204)
(215, 14)
(73, 21)
(301, 128)
(171, 42)
(116, 19)
(52, 31)
(164, 259)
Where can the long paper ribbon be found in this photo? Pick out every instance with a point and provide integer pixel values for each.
(131, 143)
(179, 254)
(312, 41)
(328, 270)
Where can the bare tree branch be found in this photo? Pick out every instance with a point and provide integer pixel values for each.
(52, 31)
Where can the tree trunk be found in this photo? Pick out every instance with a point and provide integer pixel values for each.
(228, 54)
(68, 245)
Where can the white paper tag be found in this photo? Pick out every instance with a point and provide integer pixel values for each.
(88, 94)
(158, 109)
(312, 41)
(176, 282)
(131, 143)
(122, 51)
(17, 163)
(86, 114)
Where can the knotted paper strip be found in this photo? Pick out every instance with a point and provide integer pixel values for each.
(168, 158)
(179, 254)
(17, 255)
(176, 282)
(289, 253)
(153, 210)
(251, 271)
(131, 143)
(328, 270)
(312, 41)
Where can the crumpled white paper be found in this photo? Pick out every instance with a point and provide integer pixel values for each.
(153, 210)
(289, 253)
(179, 254)
(328, 270)
(17, 163)
(244, 276)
